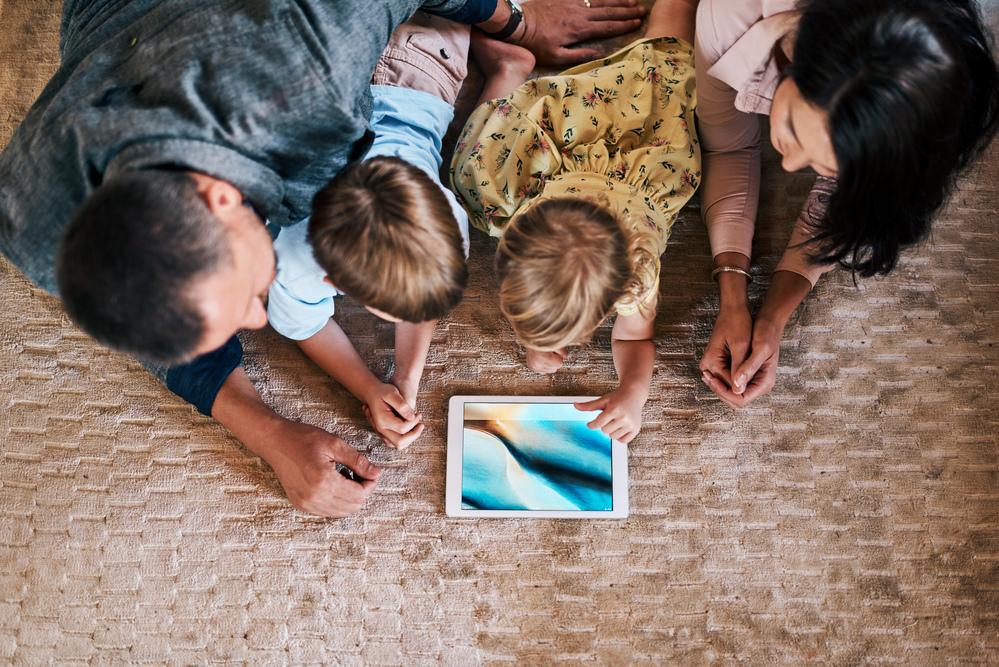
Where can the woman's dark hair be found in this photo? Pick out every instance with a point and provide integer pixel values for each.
(912, 92)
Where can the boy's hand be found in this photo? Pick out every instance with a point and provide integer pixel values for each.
(394, 419)
(621, 416)
(409, 388)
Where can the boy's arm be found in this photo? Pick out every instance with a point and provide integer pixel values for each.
(634, 358)
(412, 342)
(390, 414)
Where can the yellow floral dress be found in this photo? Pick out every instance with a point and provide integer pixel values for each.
(620, 128)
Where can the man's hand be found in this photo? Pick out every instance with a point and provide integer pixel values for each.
(621, 418)
(305, 458)
(554, 26)
(546, 362)
(392, 416)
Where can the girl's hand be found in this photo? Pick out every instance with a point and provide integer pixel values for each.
(392, 417)
(621, 416)
(546, 362)
(727, 349)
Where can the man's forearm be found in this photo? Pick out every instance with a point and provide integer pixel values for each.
(471, 12)
(240, 409)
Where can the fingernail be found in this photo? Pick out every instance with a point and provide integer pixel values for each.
(741, 380)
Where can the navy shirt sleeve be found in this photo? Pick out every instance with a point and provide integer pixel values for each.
(198, 382)
(473, 11)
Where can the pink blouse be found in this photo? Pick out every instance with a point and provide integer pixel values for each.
(736, 79)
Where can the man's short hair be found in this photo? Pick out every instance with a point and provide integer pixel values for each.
(129, 257)
(386, 235)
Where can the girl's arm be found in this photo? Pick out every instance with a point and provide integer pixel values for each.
(634, 358)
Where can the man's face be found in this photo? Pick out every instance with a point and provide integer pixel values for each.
(233, 297)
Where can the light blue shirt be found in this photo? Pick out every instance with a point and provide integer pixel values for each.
(408, 124)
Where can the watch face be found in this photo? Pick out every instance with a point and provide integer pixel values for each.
(515, 6)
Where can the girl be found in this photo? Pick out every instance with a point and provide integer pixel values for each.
(886, 100)
(581, 176)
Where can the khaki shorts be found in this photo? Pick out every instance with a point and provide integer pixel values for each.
(427, 53)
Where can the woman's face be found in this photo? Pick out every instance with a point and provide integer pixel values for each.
(799, 131)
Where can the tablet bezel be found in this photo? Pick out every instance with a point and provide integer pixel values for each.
(452, 496)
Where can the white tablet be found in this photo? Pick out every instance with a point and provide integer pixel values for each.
(532, 457)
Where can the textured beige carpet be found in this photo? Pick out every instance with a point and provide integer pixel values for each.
(853, 516)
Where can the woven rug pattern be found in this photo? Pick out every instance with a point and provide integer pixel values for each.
(852, 516)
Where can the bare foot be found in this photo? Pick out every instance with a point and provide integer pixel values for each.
(500, 58)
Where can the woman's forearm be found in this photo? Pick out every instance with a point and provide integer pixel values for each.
(731, 285)
(787, 291)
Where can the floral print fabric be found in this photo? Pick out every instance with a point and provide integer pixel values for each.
(620, 128)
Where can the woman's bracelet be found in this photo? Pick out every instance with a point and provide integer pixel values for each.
(730, 269)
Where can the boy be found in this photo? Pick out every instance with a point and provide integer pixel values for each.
(385, 231)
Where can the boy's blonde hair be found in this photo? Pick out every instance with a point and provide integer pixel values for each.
(563, 265)
(386, 235)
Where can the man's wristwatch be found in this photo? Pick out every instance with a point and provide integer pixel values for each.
(516, 16)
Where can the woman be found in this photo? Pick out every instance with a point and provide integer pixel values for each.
(886, 100)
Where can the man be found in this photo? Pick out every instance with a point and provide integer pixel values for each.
(219, 117)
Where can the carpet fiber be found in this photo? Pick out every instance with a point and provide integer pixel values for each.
(852, 516)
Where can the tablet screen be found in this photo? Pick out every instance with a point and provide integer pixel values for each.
(534, 456)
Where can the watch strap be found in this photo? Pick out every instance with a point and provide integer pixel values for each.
(516, 16)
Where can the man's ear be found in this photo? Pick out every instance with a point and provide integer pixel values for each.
(221, 197)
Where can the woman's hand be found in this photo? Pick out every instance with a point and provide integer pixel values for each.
(738, 378)
(733, 332)
(757, 375)
(727, 349)
(621, 416)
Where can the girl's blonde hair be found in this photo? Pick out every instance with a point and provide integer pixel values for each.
(563, 265)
